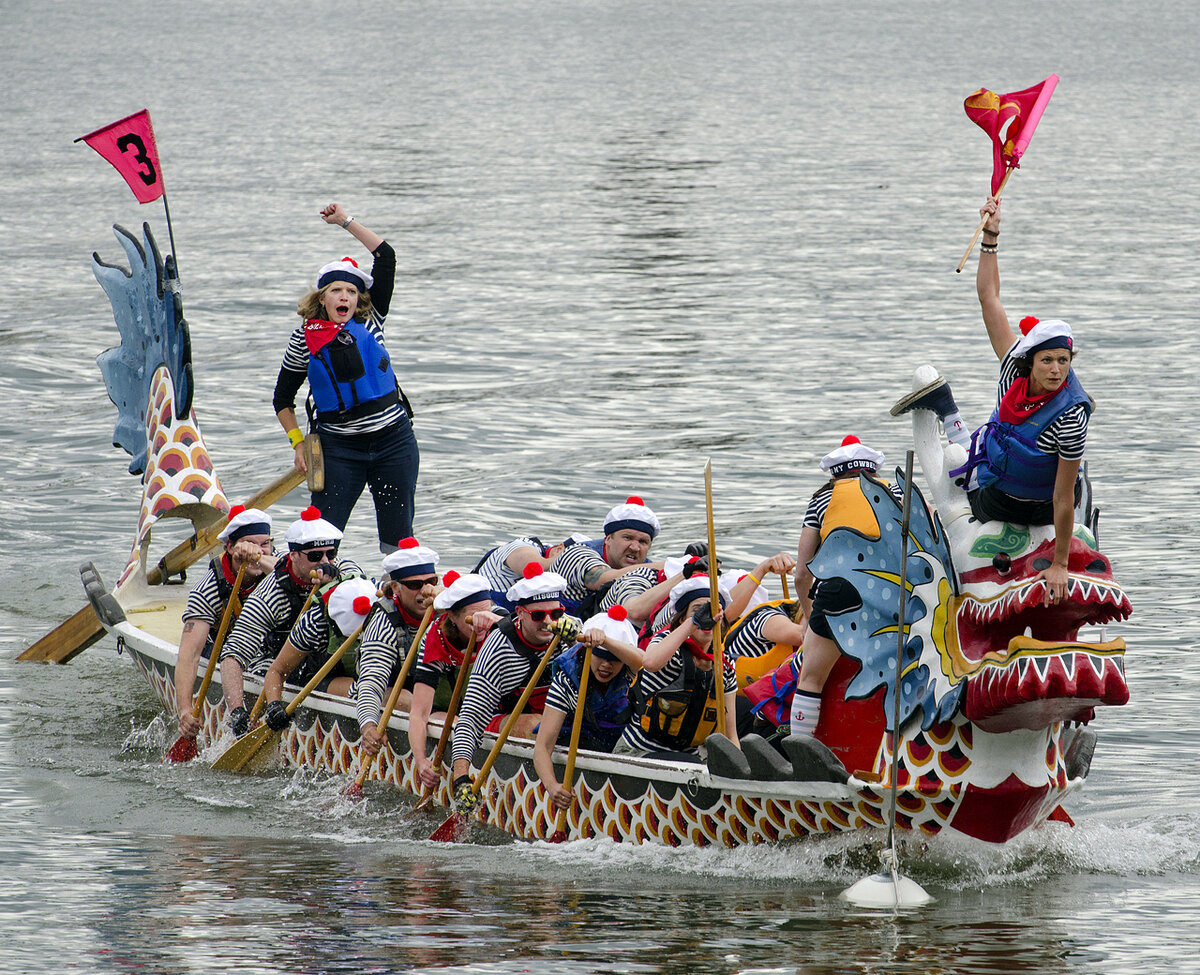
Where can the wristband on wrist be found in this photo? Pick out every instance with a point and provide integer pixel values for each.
(994, 233)
(295, 437)
(754, 578)
(346, 223)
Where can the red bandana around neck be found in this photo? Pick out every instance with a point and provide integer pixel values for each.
(1017, 406)
(318, 333)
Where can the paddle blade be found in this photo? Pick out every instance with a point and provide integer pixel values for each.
(250, 753)
(453, 830)
(353, 791)
(558, 836)
(184, 750)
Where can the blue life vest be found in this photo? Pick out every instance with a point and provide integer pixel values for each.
(605, 713)
(1007, 454)
(351, 376)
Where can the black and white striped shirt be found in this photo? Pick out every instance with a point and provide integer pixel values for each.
(268, 609)
(748, 640)
(814, 514)
(494, 568)
(499, 670)
(379, 660)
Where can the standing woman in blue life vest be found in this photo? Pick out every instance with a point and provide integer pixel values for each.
(361, 414)
(1023, 464)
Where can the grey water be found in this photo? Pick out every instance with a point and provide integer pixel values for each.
(631, 237)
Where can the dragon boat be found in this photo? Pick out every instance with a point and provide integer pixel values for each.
(996, 691)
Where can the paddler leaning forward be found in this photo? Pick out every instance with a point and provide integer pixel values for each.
(677, 695)
(247, 539)
(410, 583)
(336, 613)
(502, 668)
(464, 607)
(271, 610)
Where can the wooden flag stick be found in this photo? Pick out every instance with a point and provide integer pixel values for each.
(983, 221)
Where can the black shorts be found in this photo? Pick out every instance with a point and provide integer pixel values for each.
(991, 504)
(831, 596)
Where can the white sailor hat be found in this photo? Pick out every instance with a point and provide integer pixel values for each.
(346, 269)
(616, 626)
(462, 590)
(311, 531)
(537, 586)
(672, 565)
(632, 514)
(733, 577)
(852, 455)
(410, 559)
(245, 521)
(575, 538)
(1053, 333)
(698, 585)
(350, 601)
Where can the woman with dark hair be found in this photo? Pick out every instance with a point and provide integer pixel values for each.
(1023, 464)
(361, 414)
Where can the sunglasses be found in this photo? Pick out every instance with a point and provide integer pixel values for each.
(320, 555)
(537, 615)
(416, 585)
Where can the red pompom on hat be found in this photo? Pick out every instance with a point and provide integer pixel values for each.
(236, 510)
(1026, 324)
(849, 439)
(450, 578)
(245, 521)
(634, 499)
(532, 570)
(409, 542)
(362, 605)
(632, 514)
(311, 513)
(618, 613)
(852, 455)
(311, 531)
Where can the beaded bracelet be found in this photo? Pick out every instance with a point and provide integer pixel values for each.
(987, 248)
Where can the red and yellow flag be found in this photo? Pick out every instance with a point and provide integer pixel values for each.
(1009, 120)
(129, 146)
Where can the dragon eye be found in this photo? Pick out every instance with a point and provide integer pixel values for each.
(1040, 564)
(1097, 565)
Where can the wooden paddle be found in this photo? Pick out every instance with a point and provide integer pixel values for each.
(456, 696)
(718, 644)
(69, 639)
(787, 595)
(560, 833)
(354, 790)
(184, 749)
(251, 752)
(451, 829)
(261, 701)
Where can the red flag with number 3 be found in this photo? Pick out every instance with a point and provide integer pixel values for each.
(129, 146)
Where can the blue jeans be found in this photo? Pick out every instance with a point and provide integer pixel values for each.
(388, 461)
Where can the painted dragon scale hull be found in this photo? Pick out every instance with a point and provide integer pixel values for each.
(992, 690)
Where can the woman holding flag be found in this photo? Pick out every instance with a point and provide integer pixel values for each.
(359, 410)
(1023, 464)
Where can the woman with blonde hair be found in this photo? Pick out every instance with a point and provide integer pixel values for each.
(357, 407)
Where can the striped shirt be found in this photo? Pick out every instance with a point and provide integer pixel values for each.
(499, 670)
(267, 610)
(1066, 435)
(493, 566)
(576, 561)
(748, 639)
(379, 661)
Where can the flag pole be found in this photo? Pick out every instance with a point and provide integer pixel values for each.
(983, 220)
(171, 232)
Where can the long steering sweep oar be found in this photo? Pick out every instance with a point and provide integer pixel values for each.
(718, 640)
(261, 701)
(460, 685)
(452, 828)
(354, 790)
(251, 752)
(560, 833)
(891, 889)
(184, 749)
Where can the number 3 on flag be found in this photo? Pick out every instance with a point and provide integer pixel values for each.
(129, 146)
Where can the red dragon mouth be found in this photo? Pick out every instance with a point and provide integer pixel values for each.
(1032, 669)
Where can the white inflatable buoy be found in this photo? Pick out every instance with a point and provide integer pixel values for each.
(880, 890)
